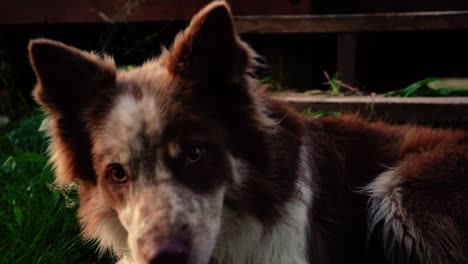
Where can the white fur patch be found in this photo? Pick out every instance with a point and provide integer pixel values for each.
(385, 207)
(240, 170)
(102, 224)
(163, 206)
(127, 120)
(399, 229)
(111, 235)
(122, 128)
(243, 239)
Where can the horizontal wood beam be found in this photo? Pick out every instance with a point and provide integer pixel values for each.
(410, 21)
(16, 12)
(416, 110)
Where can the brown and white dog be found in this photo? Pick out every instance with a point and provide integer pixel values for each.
(181, 160)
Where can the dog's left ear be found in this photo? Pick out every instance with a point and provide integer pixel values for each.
(209, 49)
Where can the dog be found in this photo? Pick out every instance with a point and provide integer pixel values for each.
(184, 160)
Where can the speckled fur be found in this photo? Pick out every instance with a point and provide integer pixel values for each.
(274, 186)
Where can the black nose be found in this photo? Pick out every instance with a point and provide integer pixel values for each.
(172, 252)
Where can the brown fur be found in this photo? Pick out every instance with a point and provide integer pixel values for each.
(358, 152)
(380, 193)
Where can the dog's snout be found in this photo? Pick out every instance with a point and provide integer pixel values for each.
(169, 252)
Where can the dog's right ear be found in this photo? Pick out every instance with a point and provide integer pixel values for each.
(68, 79)
(209, 48)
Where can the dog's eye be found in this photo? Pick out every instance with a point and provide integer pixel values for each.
(193, 153)
(116, 173)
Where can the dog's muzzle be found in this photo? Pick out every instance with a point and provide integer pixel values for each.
(167, 251)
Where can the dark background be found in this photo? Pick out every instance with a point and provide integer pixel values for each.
(385, 61)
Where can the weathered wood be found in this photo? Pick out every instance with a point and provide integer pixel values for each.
(96, 11)
(346, 57)
(411, 21)
(419, 110)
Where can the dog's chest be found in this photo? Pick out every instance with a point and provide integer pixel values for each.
(243, 239)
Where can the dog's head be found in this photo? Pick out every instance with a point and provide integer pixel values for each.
(156, 150)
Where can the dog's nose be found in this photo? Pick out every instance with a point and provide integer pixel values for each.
(171, 252)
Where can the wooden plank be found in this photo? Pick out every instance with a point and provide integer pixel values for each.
(418, 110)
(411, 21)
(346, 57)
(98, 11)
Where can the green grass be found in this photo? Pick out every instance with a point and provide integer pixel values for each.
(320, 114)
(35, 224)
(126, 67)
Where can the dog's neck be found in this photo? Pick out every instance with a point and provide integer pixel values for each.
(245, 239)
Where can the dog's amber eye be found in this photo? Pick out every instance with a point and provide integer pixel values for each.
(116, 173)
(193, 153)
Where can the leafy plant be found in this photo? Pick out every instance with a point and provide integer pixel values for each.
(421, 88)
(333, 83)
(338, 87)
